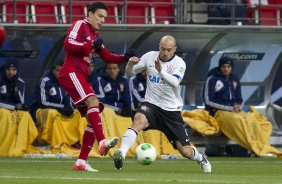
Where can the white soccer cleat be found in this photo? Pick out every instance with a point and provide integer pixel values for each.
(83, 167)
(205, 164)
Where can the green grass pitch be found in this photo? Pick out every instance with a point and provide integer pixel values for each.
(224, 170)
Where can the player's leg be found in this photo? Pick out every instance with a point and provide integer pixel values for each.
(93, 117)
(82, 93)
(140, 122)
(87, 144)
(192, 153)
(72, 83)
(172, 125)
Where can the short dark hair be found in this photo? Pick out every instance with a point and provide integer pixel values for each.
(59, 63)
(95, 6)
(118, 64)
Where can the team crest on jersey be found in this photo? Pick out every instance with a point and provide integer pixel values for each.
(108, 88)
(121, 87)
(52, 91)
(218, 85)
(235, 85)
(169, 68)
(144, 108)
(140, 87)
(3, 89)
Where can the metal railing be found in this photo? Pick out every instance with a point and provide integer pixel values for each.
(180, 12)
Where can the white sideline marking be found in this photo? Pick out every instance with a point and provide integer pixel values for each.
(116, 179)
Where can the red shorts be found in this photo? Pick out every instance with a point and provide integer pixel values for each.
(76, 86)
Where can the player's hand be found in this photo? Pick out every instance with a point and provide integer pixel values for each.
(236, 108)
(158, 66)
(97, 44)
(134, 60)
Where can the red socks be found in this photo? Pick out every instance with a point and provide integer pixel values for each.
(94, 117)
(87, 144)
(91, 132)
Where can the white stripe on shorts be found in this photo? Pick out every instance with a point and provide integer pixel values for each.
(77, 85)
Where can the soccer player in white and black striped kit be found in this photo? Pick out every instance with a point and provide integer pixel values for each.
(162, 107)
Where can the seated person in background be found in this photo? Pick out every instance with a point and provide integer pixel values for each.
(221, 12)
(222, 89)
(59, 123)
(114, 90)
(49, 95)
(223, 99)
(93, 79)
(17, 130)
(137, 87)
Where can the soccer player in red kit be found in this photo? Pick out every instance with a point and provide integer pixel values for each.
(81, 42)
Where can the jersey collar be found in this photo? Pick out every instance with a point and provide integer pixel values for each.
(167, 60)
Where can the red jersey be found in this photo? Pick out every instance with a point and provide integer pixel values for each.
(79, 51)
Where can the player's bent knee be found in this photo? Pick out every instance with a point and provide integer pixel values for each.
(140, 122)
(138, 126)
(91, 101)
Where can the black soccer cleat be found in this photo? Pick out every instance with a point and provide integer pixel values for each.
(118, 159)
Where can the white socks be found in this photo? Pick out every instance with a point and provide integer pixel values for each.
(127, 140)
(197, 156)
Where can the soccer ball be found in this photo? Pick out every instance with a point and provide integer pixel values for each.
(145, 153)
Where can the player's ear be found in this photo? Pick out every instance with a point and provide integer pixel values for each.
(90, 13)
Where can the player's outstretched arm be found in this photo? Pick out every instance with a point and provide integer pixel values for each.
(129, 70)
(109, 57)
